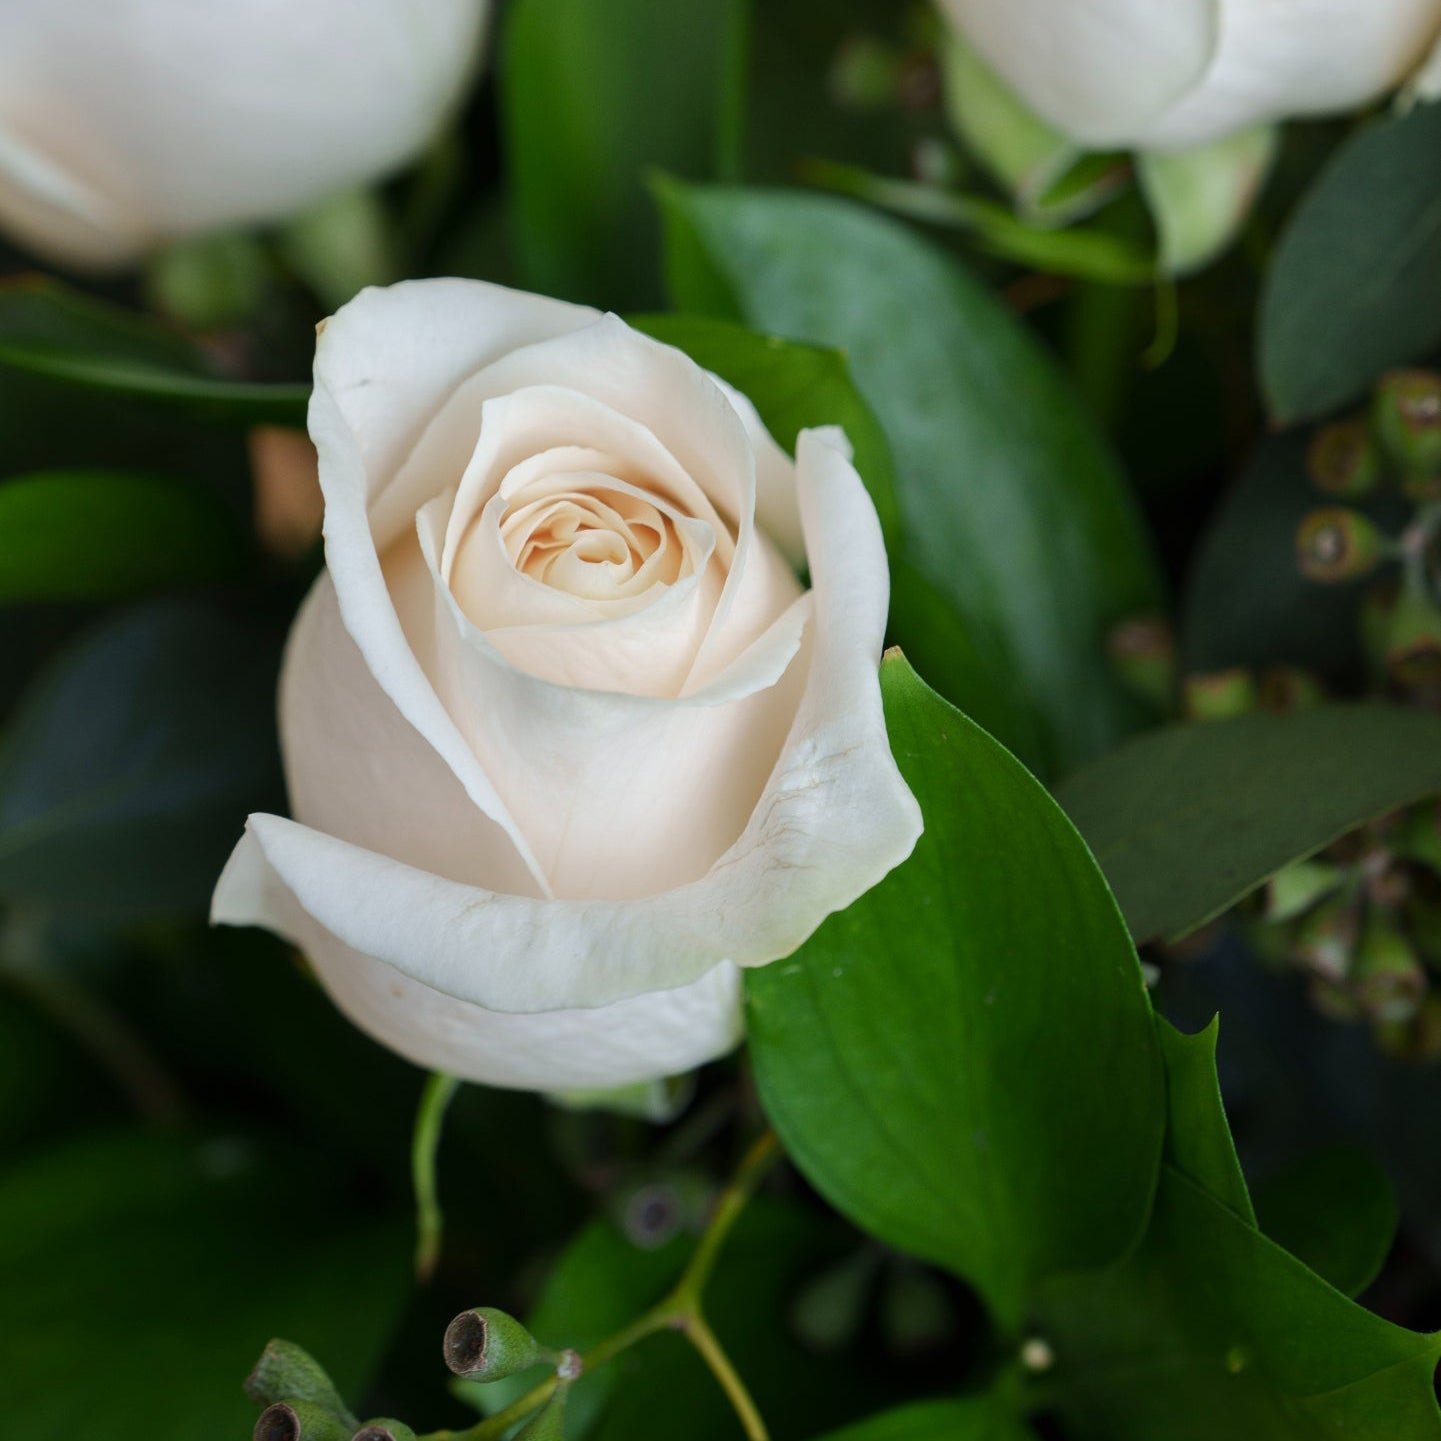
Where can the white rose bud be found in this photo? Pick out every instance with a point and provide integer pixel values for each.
(567, 742)
(126, 124)
(1175, 74)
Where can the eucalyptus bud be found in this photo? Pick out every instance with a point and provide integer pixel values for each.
(384, 1428)
(1408, 422)
(1142, 651)
(1297, 887)
(1221, 695)
(300, 1421)
(484, 1344)
(1326, 939)
(1413, 639)
(1343, 460)
(1335, 544)
(548, 1424)
(1388, 979)
(1287, 688)
(286, 1372)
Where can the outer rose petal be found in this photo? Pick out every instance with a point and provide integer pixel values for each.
(833, 820)
(1304, 57)
(662, 1033)
(182, 116)
(1101, 71)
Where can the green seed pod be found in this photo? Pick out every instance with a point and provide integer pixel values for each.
(1335, 544)
(1343, 460)
(300, 1421)
(1142, 652)
(1388, 979)
(1220, 695)
(1297, 887)
(1413, 640)
(484, 1344)
(384, 1428)
(285, 1372)
(548, 1424)
(1407, 414)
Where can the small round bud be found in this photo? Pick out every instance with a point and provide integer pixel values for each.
(1387, 978)
(300, 1421)
(1343, 460)
(1326, 940)
(1037, 1355)
(484, 1344)
(1221, 695)
(286, 1372)
(1413, 640)
(1408, 422)
(865, 75)
(1335, 544)
(1142, 652)
(384, 1428)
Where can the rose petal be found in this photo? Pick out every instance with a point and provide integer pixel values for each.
(834, 818)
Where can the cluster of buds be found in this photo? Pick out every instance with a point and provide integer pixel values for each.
(1397, 448)
(301, 1402)
(1362, 920)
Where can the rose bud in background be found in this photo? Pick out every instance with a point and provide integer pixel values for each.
(568, 743)
(1195, 87)
(129, 124)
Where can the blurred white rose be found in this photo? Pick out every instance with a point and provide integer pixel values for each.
(567, 741)
(1175, 74)
(126, 124)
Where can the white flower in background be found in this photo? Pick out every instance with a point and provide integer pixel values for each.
(567, 741)
(1194, 86)
(128, 124)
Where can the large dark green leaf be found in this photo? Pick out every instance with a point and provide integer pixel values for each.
(48, 330)
(979, 1419)
(1211, 1330)
(794, 387)
(127, 774)
(584, 127)
(140, 1277)
(1187, 819)
(95, 535)
(1355, 285)
(963, 1061)
(1011, 504)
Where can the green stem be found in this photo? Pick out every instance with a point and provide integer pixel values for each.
(679, 1311)
(429, 1223)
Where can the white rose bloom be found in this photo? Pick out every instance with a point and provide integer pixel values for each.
(1174, 74)
(126, 124)
(567, 742)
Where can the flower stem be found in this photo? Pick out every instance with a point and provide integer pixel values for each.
(679, 1311)
(429, 1223)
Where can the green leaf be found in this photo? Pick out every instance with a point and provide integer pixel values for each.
(1336, 1211)
(96, 535)
(1210, 1329)
(49, 330)
(582, 130)
(127, 773)
(140, 1277)
(1355, 285)
(1011, 504)
(963, 1061)
(977, 1419)
(1198, 1136)
(1189, 818)
(794, 387)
